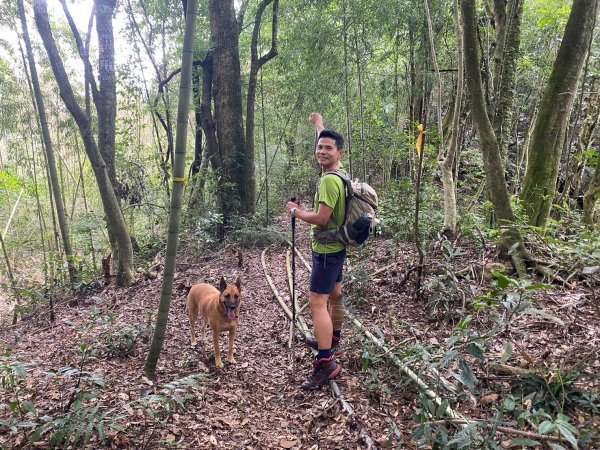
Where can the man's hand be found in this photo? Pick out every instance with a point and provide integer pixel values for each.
(317, 120)
(292, 207)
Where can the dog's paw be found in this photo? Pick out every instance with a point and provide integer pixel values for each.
(231, 360)
(219, 364)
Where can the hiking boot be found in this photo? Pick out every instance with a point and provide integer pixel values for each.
(325, 369)
(312, 342)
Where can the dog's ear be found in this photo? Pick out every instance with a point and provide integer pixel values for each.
(223, 284)
(238, 283)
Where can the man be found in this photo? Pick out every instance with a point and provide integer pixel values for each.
(327, 259)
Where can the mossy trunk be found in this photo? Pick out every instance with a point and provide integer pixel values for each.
(117, 228)
(492, 159)
(549, 129)
(507, 19)
(589, 199)
(228, 109)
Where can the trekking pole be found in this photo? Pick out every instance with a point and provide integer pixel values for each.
(293, 324)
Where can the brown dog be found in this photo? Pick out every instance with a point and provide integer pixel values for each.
(220, 310)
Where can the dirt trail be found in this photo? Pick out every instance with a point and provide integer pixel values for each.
(256, 404)
(253, 404)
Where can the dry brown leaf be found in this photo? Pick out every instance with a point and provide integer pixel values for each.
(286, 443)
(489, 398)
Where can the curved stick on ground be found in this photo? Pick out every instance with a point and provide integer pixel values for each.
(413, 376)
(304, 329)
(301, 323)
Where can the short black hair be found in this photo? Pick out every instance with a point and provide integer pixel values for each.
(339, 140)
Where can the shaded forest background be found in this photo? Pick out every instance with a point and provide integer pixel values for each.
(368, 68)
(92, 131)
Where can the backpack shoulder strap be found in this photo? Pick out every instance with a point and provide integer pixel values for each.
(349, 191)
(345, 178)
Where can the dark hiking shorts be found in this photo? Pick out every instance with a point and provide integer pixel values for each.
(326, 271)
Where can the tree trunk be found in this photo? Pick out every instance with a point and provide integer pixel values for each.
(39, 101)
(575, 163)
(447, 156)
(348, 143)
(549, 129)
(227, 95)
(117, 229)
(508, 39)
(492, 160)
(177, 195)
(106, 103)
(255, 65)
(589, 199)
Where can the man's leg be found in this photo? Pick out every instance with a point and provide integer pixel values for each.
(337, 309)
(321, 319)
(325, 368)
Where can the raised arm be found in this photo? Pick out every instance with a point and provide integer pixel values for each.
(317, 120)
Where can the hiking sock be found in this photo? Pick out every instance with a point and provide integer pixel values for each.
(324, 354)
(337, 312)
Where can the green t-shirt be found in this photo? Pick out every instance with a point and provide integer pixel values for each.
(332, 192)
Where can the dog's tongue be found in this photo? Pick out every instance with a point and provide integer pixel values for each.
(231, 314)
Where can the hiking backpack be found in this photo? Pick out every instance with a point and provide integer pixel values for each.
(361, 204)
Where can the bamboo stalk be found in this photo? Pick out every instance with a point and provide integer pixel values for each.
(413, 376)
(301, 323)
(12, 213)
(405, 369)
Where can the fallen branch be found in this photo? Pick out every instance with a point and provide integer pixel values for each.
(506, 430)
(413, 376)
(304, 329)
(405, 369)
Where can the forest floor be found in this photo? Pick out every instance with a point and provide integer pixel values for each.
(99, 341)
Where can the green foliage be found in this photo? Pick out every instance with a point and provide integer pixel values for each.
(250, 232)
(515, 296)
(173, 397)
(556, 393)
(84, 414)
(206, 229)
(439, 435)
(32, 297)
(119, 340)
(397, 211)
(444, 287)
(13, 377)
(85, 419)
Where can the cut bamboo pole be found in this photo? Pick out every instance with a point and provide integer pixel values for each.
(304, 329)
(413, 376)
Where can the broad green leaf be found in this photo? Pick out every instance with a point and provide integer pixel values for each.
(509, 403)
(508, 350)
(555, 446)
(467, 374)
(452, 340)
(567, 434)
(475, 351)
(28, 406)
(547, 427)
(502, 280)
(19, 370)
